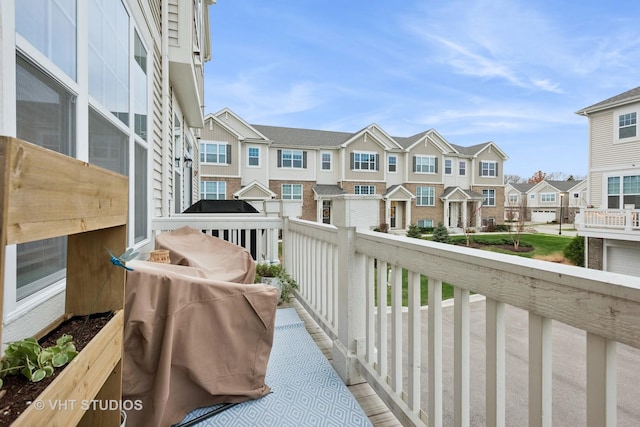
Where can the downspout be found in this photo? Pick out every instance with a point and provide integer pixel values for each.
(166, 102)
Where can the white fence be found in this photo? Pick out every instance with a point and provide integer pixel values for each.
(403, 357)
(255, 232)
(623, 219)
(338, 268)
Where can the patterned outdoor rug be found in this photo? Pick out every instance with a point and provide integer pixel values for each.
(305, 389)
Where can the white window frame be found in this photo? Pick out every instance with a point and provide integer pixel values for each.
(627, 120)
(513, 199)
(488, 168)
(425, 199)
(359, 161)
(448, 167)
(425, 164)
(292, 157)
(205, 150)
(462, 168)
(488, 195)
(288, 191)
(328, 162)
(425, 223)
(364, 189)
(393, 163)
(250, 157)
(220, 190)
(548, 197)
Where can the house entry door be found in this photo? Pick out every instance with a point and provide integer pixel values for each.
(392, 214)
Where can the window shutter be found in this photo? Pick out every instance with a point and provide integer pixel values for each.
(279, 158)
(228, 154)
(377, 162)
(414, 163)
(436, 165)
(304, 159)
(497, 169)
(480, 169)
(352, 161)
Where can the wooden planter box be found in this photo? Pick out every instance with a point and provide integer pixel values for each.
(44, 194)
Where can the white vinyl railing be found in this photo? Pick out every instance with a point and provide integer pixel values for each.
(255, 232)
(612, 219)
(338, 269)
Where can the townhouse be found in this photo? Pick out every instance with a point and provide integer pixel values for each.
(422, 179)
(545, 201)
(611, 222)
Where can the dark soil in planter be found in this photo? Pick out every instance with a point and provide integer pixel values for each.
(18, 392)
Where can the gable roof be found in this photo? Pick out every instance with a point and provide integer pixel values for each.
(466, 194)
(398, 188)
(623, 98)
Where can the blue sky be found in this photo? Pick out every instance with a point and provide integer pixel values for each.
(509, 71)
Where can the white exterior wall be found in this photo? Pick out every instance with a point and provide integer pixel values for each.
(29, 315)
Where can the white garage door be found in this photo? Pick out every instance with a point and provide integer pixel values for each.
(543, 216)
(623, 260)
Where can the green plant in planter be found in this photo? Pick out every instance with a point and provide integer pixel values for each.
(34, 362)
(287, 283)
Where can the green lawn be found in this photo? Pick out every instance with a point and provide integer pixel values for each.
(447, 290)
(543, 245)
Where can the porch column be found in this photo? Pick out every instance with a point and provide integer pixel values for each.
(387, 212)
(477, 207)
(447, 208)
(352, 213)
(465, 216)
(407, 214)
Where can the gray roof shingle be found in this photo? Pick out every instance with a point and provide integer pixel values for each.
(622, 98)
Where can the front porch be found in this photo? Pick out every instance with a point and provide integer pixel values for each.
(423, 363)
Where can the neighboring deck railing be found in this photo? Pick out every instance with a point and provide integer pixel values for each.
(611, 219)
(337, 268)
(255, 232)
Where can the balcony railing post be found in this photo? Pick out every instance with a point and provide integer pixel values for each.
(349, 213)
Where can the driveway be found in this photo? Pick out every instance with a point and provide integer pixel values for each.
(566, 230)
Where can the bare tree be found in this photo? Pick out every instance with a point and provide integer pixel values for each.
(467, 228)
(517, 215)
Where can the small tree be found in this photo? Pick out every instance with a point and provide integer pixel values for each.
(518, 214)
(467, 228)
(414, 231)
(440, 233)
(574, 252)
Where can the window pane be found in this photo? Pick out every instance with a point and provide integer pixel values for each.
(45, 116)
(140, 85)
(51, 28)
(108, 146)
(109, 56)
(140, 213)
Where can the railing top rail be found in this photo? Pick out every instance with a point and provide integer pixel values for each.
(217, 221)
(604, 303)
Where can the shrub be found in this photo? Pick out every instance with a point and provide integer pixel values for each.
(414, 231)
(501, 228)
(440, 233)
(574, 252)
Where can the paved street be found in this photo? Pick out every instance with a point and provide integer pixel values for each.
(569, 398)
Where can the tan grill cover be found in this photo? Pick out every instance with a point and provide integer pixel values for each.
(192, 341)
(220, 259)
